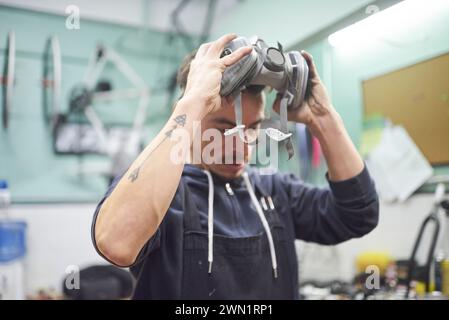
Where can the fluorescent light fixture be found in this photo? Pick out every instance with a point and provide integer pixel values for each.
(399, 17)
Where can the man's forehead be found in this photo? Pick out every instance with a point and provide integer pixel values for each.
(252, 111)
(251, 104)
(231, 120)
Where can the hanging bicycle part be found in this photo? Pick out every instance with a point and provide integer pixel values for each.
(120, 143)
(51, 81)
(8, 77)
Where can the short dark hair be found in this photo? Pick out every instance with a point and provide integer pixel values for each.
(183, 72)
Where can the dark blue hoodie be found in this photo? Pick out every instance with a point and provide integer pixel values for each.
(347, 209)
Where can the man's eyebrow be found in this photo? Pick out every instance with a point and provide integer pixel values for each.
(232, 123)
(224, 121)
(255, 123)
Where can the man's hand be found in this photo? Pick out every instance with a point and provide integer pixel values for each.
(316, 104)
(206, 71)
(323, 121)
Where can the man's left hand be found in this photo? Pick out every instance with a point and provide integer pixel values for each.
(316, 104)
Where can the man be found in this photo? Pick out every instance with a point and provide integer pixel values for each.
(223, 231)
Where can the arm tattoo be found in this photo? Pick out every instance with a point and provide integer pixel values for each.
(180, 121)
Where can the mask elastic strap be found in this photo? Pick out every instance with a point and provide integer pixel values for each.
(283, 134)
(238, 118)
(273, 133)
(284, 125)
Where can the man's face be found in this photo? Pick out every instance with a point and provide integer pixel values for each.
(232, 147)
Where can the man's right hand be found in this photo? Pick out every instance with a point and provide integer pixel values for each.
(206, 71)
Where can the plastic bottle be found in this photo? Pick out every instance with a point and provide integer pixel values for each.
(12, 250)
(5, 198)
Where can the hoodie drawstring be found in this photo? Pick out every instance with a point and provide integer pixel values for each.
(210, 221)
(264, 223)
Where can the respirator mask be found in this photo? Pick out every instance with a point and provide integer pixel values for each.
(287, 73)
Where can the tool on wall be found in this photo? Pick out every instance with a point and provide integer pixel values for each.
(51, 81)
(8, 78)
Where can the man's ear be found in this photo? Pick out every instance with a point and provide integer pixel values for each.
(277, 103)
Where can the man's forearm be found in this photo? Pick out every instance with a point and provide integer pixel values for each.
(342, 158)
(136, 207)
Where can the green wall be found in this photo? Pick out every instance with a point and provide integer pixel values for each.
(27, 161)
(344, 68)
(37, 175)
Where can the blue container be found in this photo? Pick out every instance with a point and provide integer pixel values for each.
(12, 240)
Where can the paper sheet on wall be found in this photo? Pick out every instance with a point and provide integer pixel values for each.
(397, 165)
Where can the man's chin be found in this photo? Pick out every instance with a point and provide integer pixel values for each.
(229, 171)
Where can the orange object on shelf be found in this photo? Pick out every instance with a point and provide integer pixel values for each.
(381, 259)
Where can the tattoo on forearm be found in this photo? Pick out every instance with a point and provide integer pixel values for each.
(180, 121)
